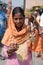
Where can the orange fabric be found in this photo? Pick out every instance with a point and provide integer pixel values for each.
(42, 46)
(37, 45)
(40, 43)
(12, 35)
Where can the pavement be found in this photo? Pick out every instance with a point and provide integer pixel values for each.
(2, 62)
(36, 61)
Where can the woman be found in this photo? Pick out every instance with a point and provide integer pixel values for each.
(41, 33)
(34, 25)
(15, 35)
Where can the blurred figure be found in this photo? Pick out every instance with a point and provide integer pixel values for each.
(41, 33)
(2, 23)
(34, 29)
(37, 18)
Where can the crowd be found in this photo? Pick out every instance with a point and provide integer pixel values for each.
(36, 25)
(4, 15)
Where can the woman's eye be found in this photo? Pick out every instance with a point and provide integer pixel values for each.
(18, 18)
(15, 18)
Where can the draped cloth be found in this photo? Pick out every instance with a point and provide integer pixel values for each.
(37, 45)
(12, 35)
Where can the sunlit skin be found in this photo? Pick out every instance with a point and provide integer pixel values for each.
(18, 20)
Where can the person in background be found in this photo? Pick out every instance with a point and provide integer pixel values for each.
(39, 19)
(38, 46)
(2, 23)
(41, 33)
(34, 29)
(15, 36)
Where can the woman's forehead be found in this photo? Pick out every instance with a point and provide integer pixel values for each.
(18, 15)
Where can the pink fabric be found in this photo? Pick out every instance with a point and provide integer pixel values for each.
(12, 60)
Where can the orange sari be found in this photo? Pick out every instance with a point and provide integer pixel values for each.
(37, 45)
(12, 35)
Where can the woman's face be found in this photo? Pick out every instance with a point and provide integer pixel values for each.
(18, 20)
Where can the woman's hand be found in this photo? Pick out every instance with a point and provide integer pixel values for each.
(13, 47)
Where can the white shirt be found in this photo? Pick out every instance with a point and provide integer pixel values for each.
(41, 20)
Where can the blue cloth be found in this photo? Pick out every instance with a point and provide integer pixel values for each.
(2, 22)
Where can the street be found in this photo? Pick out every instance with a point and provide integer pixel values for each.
(36, 60)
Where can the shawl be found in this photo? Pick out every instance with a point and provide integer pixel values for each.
(12, 35)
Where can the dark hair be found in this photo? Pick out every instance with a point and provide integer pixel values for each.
(18, 10)
(41, 11)
(36, 25)
(31, 18)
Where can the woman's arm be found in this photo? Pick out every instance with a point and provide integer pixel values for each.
(9, 51)
(4, 51)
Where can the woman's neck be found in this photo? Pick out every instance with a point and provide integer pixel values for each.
(19, 28)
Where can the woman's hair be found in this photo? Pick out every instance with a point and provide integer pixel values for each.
(31, 18)
(36, 25)
(18, 10)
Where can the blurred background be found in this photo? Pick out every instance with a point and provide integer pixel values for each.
(29, 7)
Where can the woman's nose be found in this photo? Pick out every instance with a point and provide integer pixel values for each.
(18, 20)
